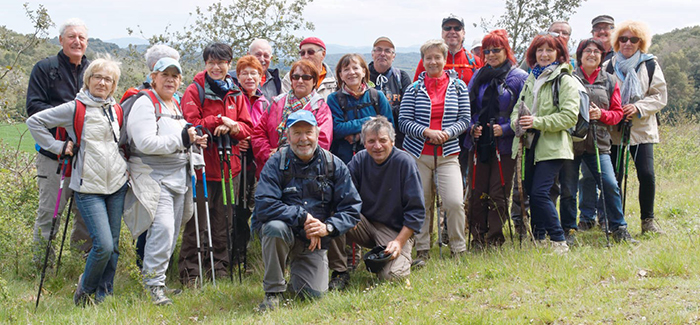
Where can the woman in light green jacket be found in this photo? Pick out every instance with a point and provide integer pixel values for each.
(546, 138)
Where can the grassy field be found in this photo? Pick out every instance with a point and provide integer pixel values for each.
(656, 282)
(17, 137)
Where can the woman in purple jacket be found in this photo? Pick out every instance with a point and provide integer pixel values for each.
(493, 91)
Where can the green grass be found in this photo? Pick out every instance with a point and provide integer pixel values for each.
(656, 282)
(17, 137)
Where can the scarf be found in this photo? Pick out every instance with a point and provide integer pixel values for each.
(490, 105)
(291, 105)
(356, 95)
(537, 70)
(220, 87)
(98, 100)
(625, 69)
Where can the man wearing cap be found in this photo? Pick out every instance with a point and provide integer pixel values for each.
(54, 81)
(602, 27)
(390, 80)
(393, 207)
(476, 47)
(314, 50)
(270, 84)
(305, 197)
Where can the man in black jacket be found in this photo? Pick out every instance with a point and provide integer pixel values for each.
(271, 84)
(390, 80)
(54, 81)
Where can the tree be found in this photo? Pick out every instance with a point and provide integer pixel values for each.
(523, 19)
(238, 24)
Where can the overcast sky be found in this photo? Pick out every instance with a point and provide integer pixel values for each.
(345, 22)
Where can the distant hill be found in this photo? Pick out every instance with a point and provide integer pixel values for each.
(403, 61)
(124, 42)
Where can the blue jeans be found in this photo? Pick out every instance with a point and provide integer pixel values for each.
(538, 183)
(103, 217)
(611, 192)
(589, 202)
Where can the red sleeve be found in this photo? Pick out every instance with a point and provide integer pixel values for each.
(614, 114)
(260, 142)
(325, 124)
(420, 68)
(193, 112)
(479, 63)
(241, 115)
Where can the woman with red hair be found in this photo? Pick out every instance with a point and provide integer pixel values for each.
(493, 92)
(543, 130)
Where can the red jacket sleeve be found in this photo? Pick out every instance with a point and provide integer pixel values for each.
(325, 124)
(193, 111)
(614, 113)
(261, 142)
(240, 114)
(420, 68)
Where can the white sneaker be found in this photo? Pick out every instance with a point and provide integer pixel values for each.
(158, 296)
(560, 247)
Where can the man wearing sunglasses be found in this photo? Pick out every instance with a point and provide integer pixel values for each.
(603, 26)
(314, 50)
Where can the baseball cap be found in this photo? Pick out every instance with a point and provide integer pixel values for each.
(165, 63)
(301, 116)
(313, 40)
(384, 39)
(453, 17)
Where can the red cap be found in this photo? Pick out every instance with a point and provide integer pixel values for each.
(313, 40)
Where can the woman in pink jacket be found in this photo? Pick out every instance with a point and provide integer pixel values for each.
(270, 132)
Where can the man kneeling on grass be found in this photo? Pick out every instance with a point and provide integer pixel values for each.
(393, 208)
(304, 197)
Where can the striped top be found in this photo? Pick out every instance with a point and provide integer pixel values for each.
(414, 115)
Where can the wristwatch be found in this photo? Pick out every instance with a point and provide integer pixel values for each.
(329, 228)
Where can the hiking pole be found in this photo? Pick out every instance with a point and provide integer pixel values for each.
(193, 178)
(225, 190)
(65, 230)
(62, 167)
(438, 201)
(233, 205)
(503, 182)
(594, 127)
(521, 178)
(244, 194)
(206, 207)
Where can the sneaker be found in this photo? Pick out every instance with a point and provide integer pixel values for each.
(339, 280)
(158, 295)
(560, 247)
(81, 298)
(271, 302)
(649, 225)
(585, 225)
(621, 234)
(570, 237)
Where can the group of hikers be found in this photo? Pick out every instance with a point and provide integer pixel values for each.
(318, 164)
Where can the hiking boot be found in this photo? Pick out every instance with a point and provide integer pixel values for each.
(541, 243)
(570, 237)
(458, 255)
(423, 255)
(445, 238)
(158, 295)
(417, 264)
(621, 234)
(271, 302)
(81, 298)
(339, 280)
(649, 225)
(585, 225)
(172, 292)
(521, 230)
(560, 247)
(477, 246)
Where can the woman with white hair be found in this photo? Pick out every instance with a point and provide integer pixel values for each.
(99, 171)
(643, 94)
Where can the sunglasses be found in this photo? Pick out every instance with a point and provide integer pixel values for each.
(494, 51)
(454, 28)
(309, 52)
(633, 39)
(305, 77)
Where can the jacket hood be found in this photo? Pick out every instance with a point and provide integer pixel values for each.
(89, 100)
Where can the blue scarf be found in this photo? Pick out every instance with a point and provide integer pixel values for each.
(225, 84)
(625, 69)
(537, 70)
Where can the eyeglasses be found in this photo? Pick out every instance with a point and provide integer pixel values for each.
(602, 28)
(305, 77)
(245, 74)
(310, 52)
(494, 51)
(561, 32)
(633, 39)
(589, 51)
(107, 80)
(381, 50)
(549, 33)
(219, 63)
(454, 28)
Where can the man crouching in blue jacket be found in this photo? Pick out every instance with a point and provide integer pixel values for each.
(305, 197)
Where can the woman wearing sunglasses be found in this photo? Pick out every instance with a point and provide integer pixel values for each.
(493, 91)
(643, 94)
(546, 140)
(271, 132)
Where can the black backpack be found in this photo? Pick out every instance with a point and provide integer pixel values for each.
(326, 179)
(343, 102)
(579, 131)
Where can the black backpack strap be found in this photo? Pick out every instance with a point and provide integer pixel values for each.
(53, 70)
(555, 90)
(200, 91)
(343, 102)
(609, 69)
(651, 67)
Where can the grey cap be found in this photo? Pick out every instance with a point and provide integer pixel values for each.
(603, 19)
(453, 17)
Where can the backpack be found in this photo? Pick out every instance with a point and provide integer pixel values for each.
(79, 120)
(343, 102)
(128, 103)
(325, 179)
(579, 131)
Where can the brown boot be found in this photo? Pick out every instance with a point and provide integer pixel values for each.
(649, 225)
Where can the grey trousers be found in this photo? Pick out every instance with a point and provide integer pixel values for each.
(370, 234)
(49, 182)
(308, 270)
(162, 236)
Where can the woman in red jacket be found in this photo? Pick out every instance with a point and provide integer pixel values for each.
(215, 102)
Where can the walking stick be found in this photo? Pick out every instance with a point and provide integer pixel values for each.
(594, 127)
(233, 205)
(206, 208)
(503, 183)
(225, 190)
(521, 178)
(62, 167)
(65, 230)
